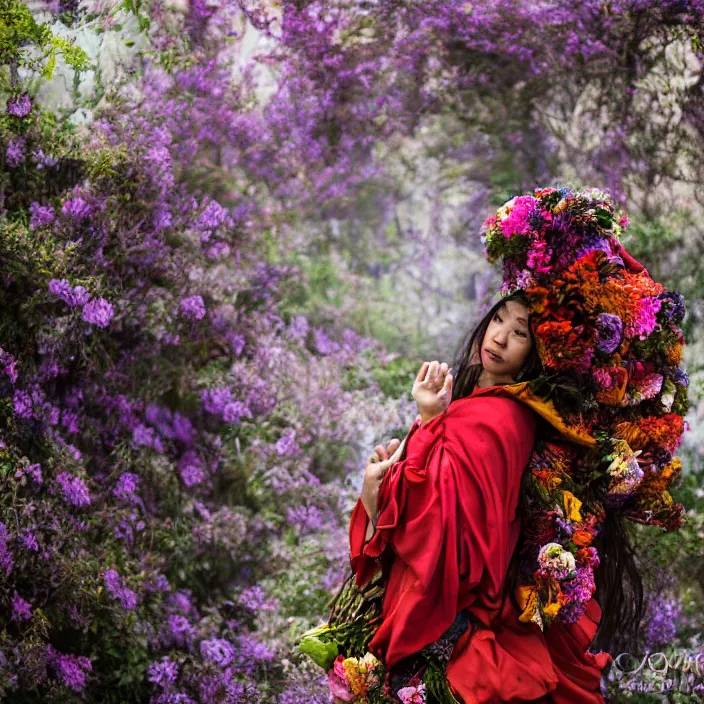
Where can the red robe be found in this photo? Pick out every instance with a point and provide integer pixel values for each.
(448, 513)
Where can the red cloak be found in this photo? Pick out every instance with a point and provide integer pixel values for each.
(448, 512)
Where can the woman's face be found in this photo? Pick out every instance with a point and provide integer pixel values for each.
(507, 341)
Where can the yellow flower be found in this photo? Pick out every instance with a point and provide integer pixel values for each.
(572, 506)
(528, 600)
(551, 610)
(355, 679)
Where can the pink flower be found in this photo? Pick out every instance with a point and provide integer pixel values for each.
(337, 679)
(517, 221)
(412, 695)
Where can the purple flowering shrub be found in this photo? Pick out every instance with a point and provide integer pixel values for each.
(174, 432)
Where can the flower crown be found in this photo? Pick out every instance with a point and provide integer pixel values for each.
(612, 388)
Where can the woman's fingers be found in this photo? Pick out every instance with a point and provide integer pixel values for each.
(384, 451)
(392, 446)
(432, 372)
(422, 372)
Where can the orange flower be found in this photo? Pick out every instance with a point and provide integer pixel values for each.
(673, 354)
(582, 538)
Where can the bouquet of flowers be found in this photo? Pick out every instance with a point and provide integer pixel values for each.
(612, 389)
(339, 646)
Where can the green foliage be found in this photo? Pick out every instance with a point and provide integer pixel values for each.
(20, 34)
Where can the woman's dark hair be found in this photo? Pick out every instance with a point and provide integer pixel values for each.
(619, 585)
(619, 588)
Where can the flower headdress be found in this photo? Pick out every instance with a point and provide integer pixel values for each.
(612, 388)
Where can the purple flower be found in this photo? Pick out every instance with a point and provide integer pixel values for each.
(75, 489)
(680, 377)
(193, 307)
(323, 343)
(609, 330)
(22, 404)
(233, 412)
(42, 160)
(98, 312)
(190, 467)
(15, 152)
(672, 308)
(307, 518)
(127, 484)
(212, 216)
(662, 622)
(143, 435)
(218, 651)
(286, 445)
(215, 400)
(19, 105)
(29, 540)
(73, 297)
(298, 327)
(70, 670)
(40, 215)
(255, 599)
(21, 609)
(113, 583)
(34, 471)
(76, 208)
(163, 673)
(180, 629)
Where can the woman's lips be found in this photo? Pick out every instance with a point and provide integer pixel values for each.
(493, 357)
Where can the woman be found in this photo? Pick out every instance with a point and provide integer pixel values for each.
(445, 523)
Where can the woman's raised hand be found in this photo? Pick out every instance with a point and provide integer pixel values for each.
(432, 389)
(374, 472)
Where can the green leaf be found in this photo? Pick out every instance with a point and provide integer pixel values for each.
(321, 653)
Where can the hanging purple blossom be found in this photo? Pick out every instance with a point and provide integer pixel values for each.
(98, 312)
(40, 215)
(609, 331)
(255, 599)
(76, 208)
(212, 216)
(193, 307)
(286, 445)
(16, 151)
(234, 411)
(70, 669)
(29, 540)
(19, 105)
(21, 609)
(74, 488)
(661, 629)
(114, 585)
(23, 407)
(72, 296)
(218, 651)
(164, 673)
(126, 486)
(42, 160)
(190, 467)
(215, 400)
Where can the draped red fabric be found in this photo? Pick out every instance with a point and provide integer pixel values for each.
(448, 513)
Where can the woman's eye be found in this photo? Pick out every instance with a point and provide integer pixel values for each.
(521, 333)
(497, 317)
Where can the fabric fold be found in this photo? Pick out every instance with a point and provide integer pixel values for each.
(448, 525)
